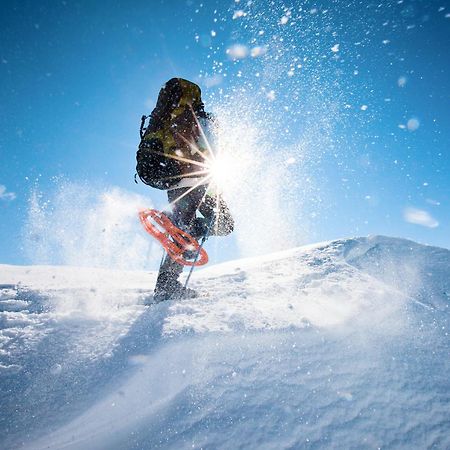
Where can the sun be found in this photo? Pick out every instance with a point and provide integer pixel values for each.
(221, 169)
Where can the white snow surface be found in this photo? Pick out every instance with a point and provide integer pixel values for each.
(342, 344)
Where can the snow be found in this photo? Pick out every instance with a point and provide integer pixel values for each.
(341, 344)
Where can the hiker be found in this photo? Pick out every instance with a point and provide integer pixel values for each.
(173, 156)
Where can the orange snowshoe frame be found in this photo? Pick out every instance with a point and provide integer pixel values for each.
(175, 241)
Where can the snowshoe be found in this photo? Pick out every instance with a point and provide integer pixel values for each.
(174, 240)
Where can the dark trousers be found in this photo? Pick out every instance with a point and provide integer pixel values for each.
(216, 217)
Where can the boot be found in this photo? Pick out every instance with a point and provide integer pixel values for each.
(167, 284)
(175, 292)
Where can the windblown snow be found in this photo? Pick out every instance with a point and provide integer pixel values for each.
(336, 345)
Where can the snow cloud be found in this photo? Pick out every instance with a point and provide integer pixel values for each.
(420, 217)
(5, 195)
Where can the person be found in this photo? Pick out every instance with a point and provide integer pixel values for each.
(173, 155)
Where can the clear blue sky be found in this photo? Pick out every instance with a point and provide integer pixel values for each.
(349, 102)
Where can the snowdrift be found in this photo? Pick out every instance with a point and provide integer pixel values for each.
(336, 345)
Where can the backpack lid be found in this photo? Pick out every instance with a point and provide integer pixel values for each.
(173, 98)
(190, 93)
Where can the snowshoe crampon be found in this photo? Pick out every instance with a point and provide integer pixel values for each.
(177, 243)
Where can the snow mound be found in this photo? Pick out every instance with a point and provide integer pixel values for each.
(322, 285)
(341, 344)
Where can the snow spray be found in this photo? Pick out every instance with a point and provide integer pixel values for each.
(85, 226)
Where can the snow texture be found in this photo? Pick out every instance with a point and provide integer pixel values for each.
(336, 345)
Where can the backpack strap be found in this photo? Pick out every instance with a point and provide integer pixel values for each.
(143, 128)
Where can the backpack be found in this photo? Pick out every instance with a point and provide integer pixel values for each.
(158, 161)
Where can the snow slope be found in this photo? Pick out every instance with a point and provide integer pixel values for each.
(337, 345)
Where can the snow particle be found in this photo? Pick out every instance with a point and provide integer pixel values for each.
(335, 48)
(258, 51)
(364, 107)
(401, 82)
(239, 13)
(237, 51)
(420, 217)
(346, 395)
(413, 124)
(271, 95)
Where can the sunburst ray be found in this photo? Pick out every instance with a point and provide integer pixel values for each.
(196, 185)
(181, 158)
(187, 175)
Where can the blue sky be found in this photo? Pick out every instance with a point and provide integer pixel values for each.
(346, 102)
